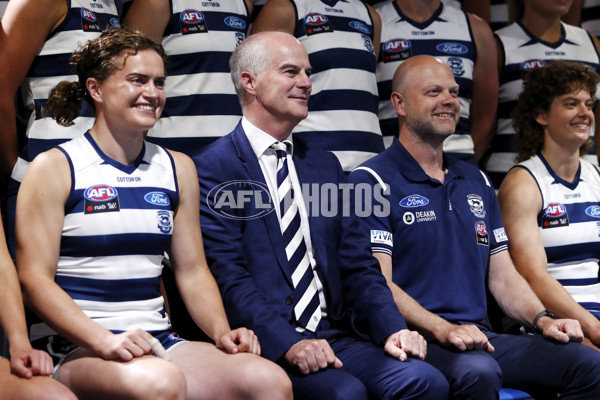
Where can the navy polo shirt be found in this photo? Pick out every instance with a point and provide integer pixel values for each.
(440, 235)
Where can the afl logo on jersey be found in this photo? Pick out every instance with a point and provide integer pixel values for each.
(235, 22)
(396, 45)
(191, 17)
(482, 234)
(452, 48)
(100, 199)
(359, 26)
(315, 19)
(100, 193)
(88, 15)
(531, 65)
(555, 210)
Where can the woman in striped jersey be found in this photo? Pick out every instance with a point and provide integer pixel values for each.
(550, 201)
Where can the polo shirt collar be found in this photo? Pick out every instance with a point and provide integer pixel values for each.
(410, 168)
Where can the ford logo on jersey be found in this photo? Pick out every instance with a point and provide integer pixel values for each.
(88, 15)
(100, 193)
(395, 45)
(315, 19)
(235, 22)
(452, 48)
(555, 210)
(593, 211)
(359, 26)
(531, 65)
(191, 16)
(157, 198)
(414, 200)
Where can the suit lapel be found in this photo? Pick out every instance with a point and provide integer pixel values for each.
(250, 163)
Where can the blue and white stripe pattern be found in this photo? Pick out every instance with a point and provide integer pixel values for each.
(201, 101)
(118, 224)
(307, 310)
(342, 118)
(84, 21)
(447, 36)
(523, 53)
(572, 249)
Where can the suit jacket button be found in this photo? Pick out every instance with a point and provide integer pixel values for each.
(289, 300)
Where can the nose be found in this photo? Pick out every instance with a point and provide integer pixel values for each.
(304, 80)
(151, 90)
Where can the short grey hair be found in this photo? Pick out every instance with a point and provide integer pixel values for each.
(251, 55)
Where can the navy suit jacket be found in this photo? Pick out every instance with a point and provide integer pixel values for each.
(245, 250)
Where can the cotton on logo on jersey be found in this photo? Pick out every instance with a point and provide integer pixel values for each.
(316, 23)
(192, 21)
(100, 198)
(396, 49)
(89, 22)
(555, 215)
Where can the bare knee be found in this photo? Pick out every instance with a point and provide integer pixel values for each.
(265, 379)
(165, 384)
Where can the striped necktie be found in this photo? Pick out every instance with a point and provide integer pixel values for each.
(307, 310)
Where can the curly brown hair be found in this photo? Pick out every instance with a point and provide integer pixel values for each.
(97, 59)
(540, 89)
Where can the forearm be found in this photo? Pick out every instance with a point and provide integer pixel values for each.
(556, 299)
(57, 309)
(201, 296)
(12, 314)
(425, 322)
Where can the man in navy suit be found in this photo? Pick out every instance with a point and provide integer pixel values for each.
(355, 345)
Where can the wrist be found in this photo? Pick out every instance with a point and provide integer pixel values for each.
(539, 316)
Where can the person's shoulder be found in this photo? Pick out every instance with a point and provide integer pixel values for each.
(304, 150)
(467, 170)
(379, 168)
(221, 149)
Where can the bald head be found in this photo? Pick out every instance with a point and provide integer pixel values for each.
(414, 68)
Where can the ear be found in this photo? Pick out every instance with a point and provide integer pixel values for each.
(398, 102)
(248, 82)
(93, 88)
(541, 118)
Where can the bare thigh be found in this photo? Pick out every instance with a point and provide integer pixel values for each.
(212, 374)
(38, 387)
(148, 377)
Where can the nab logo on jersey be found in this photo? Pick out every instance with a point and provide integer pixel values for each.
(191, 17)
(315, 19)
(532, 65)
(88, 15)
(100, 193)
(555, 210)
(396, 45)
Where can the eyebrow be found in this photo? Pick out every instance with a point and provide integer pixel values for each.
(296, 67)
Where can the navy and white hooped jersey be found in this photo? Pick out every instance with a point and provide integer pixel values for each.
(498, 14)
(85, 20)
(201, 101)
(118, 224)
(342, 118)
(446, 35)
(523, 53)
(569, 225)
(440, 236)
(590, 16)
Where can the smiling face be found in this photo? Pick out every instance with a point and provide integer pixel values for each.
(568, 121)
(132, 97)
(280, 93)
(427, 99)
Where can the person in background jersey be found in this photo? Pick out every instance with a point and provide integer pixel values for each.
(95, 217)
(536, 38)
(550, 199)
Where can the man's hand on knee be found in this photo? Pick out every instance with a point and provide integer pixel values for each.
(312, 355)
